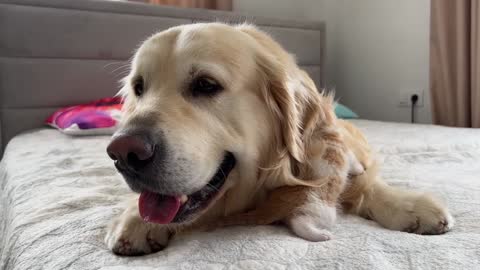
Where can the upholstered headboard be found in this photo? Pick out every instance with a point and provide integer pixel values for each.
(55, 53)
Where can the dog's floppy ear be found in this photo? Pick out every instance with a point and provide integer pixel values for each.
(280, 78)
(279, 91)
(290, 94)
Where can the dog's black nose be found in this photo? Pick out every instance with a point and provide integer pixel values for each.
(132, 151)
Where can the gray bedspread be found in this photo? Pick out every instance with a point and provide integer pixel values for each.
(58, 193)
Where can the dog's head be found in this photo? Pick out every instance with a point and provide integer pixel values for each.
(200, 101)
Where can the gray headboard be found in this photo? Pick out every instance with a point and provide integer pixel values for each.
(55, 53)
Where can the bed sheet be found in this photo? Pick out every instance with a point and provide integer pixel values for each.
(58, 193)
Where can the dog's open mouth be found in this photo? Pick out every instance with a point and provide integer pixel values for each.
(164, 209)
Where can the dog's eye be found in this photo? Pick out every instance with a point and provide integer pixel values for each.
(138, 86)
(205, 86)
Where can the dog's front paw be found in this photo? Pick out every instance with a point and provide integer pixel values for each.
(429, 216)
(420, 214)
(129, 235)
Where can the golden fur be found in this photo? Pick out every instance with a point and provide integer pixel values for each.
(276, 122)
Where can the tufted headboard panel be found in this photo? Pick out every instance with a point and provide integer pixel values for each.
(55, 53)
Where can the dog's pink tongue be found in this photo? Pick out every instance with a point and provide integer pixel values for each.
(158, 208)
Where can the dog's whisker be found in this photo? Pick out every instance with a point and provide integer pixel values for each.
(119, 70)
(115, 65)
(212, 186)
(121, 73)
(111, 64)
(224, 175)
(122, 68)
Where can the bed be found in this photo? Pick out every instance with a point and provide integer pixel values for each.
(57, 198)
(58, 192)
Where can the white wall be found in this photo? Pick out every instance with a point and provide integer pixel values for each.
(312, 10)
(376, 49)
(382, 49)
(286, 9)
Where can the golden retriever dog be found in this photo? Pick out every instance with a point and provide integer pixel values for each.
(217, 118)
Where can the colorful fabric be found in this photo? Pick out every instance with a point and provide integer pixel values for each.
(96, 118)
(100, 117)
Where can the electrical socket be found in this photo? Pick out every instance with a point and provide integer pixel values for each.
(404, 98)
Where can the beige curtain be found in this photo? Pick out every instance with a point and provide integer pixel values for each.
(454, 62)
(209, 4)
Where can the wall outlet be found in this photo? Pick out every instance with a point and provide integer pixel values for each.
(404, 99)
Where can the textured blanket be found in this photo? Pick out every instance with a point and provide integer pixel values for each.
(58, 193)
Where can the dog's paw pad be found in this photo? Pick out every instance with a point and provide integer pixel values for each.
(131, 236)
(442, 227)
(439, 223)
(155, 245)
(125, 247)
(413, 227)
